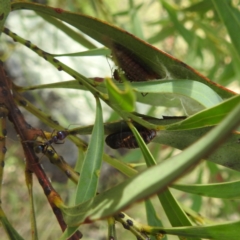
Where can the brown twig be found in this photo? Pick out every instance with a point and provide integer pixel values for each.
(26, 134)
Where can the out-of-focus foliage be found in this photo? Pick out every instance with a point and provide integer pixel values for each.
(202, 34)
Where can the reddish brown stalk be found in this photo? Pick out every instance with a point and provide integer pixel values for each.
(27, 134)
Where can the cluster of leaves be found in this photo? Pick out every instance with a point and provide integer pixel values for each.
(206, 133)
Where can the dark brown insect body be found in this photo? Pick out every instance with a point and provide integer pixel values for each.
(134, 70)
(57, 139)
(126, 139)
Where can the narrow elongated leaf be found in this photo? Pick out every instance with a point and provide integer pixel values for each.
(175, 214)
(152, 216)
(87, 185)
(197, 200)
(5, 8)
(69, 231)
(11, 232)
(92, 52)
(232, 23)
(173, 210)
(70, 32)
(185, 33)
(202, 6)
(149, 159)
(88, 181)
(227, 155)
(160, 62)
(153, 180)
(227, 190)
(124, 99)
(119, 165)
(29, 183)
(193, 96)
(218, 231)
(208, 117)
(196, 217)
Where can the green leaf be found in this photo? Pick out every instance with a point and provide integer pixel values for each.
(228, 155)
(227, 190)
(152, 216)
(208, 117)
(29, 183)
(196, 217)
(11, 232)
(193, 96)
(125, 100)
(69, 31)
(197, 200)
(218, 231)
(149, 159)
(135, 20)
(88, 181)
(158, 61)
(175, 214)
(5, 8)
(231, 21)
(119, 165)
(185, 33)
(69, 231)
(89, 176)
(92, 52)
(201, 6)
(166, 31)
(153, 180)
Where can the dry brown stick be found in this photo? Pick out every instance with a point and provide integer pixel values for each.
(26, 133)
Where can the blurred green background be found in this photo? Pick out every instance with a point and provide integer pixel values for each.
(190, 30)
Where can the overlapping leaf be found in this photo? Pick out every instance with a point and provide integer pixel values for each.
(123, 99)
(87, 185)
(231, 20)
(192, 96)
(137, 188)
(218, 231)
(226, 190)
(208, 117)
(163, 64)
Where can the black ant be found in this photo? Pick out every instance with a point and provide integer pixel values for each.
(58, 138)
